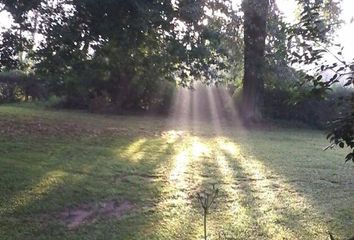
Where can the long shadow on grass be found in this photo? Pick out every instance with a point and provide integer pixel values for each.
(300, 212)
(260, 198)
(319, 177)
(235, 217)
(92, 174)
(37, 159)
(176, 217)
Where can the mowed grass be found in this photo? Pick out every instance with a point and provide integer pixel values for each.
(274, 183)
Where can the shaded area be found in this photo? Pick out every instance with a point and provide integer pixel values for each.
(272, 185)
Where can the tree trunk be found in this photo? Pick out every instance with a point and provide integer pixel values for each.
(255, 20)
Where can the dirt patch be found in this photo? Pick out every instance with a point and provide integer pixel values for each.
(40, 127)
(30, 127)
(111, 209)
(75, 217)
(140, 178)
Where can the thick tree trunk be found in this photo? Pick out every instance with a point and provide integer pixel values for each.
(255, 19)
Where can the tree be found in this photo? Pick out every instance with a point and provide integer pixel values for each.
(315, 28)
(255, 22)
(88, 52)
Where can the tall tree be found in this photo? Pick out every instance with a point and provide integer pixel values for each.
(255, 22)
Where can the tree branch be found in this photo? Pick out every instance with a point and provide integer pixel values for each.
(2, 8)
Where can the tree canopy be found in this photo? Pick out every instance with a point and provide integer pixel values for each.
(130, 55)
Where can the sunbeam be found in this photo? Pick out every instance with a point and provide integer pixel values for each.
(180, 113)
(134, 151)
(252, 194)
(215, 118)
(193, 108)
(268, 188)
(172, 136)
(183, 179)
(179, 168)
(48, 182)
(229, 107)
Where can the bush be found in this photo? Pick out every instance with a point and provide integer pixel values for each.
(73, 102)
(18, 86)
(280, 104)
(101, 104)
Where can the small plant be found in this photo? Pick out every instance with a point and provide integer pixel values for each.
(206, 199)
(225, 236)
(331, 237)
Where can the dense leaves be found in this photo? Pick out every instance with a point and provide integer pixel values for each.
(130, 55)
(312, 47)
(87, 52)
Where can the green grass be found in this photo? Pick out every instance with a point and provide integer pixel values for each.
(274, 183)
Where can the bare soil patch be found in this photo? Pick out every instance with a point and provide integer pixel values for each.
(86, 213)
(63, 128)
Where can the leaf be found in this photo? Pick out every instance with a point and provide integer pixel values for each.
(349, 157)
(348, 83)
(334, 77)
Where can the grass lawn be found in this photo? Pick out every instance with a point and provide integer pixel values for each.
(74, 175)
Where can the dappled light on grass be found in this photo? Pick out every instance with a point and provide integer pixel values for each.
(47, 183)
(190, 170)
(179, 168)
(274, 198)
(192, 150)
(253, 194)
(198, 148)
(228, 146)
(171, 136)
(177, 216)
(189, 156)
(227, 175)
(263, 195)
(134, 151)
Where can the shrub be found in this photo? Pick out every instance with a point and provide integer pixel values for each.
(280, 104)
(19, 86)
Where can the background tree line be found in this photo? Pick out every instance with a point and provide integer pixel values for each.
(116, 56)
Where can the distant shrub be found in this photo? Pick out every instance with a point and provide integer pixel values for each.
(156, 99)
(73, 102)
(18, 86)
(51, 102)
(100, 103)
(163, 98)
(281, 104)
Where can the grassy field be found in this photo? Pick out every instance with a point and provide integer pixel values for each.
(74, 175)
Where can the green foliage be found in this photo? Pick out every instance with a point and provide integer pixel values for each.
(279, 74)
(342, 128)
(312, 46)
(87, 52)
(299, 105)
(17, 85)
